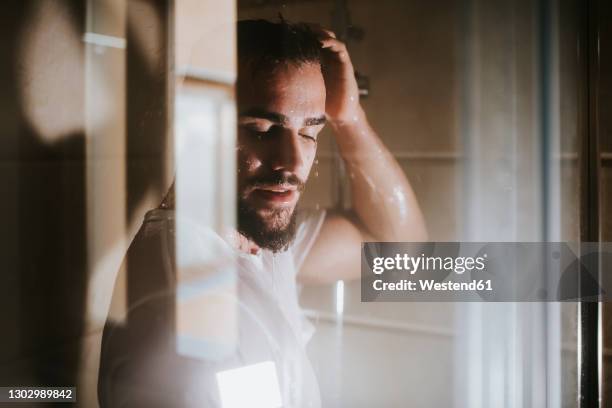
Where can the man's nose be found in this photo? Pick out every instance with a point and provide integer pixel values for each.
(288, 154)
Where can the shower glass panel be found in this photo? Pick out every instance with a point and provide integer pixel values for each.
(124, 117)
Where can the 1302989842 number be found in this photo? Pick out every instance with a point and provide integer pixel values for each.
(67, 394)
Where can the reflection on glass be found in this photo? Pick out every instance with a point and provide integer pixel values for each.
(151, 137)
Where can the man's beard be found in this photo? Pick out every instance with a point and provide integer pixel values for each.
(277, 228)
(273, 232)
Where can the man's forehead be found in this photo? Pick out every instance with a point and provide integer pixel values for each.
(292, 91)
(280, 78)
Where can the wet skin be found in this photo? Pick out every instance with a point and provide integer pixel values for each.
(281, 113)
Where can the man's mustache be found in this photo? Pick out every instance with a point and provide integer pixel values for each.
(276, 179)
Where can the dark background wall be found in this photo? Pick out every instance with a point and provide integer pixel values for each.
(43, 192)
(57, 169)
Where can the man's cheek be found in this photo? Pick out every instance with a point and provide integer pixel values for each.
(247, 162)
(311, 159)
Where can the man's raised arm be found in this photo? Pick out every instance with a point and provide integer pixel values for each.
(383, 202)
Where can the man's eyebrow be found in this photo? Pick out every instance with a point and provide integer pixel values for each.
(314, 121)
(263, 114)
(280, 118)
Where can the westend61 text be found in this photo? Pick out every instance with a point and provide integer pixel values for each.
(431, 285)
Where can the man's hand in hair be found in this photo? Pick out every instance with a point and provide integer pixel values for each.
(342, 96)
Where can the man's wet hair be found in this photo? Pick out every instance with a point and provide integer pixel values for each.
(266, 44)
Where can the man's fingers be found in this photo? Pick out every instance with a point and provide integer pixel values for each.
(323, 33)
(338, 48)
(330, 42)
(333, 45)
(329, 33)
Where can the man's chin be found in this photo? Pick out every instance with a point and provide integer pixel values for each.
(270, 228)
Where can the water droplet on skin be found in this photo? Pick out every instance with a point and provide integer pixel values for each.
(316, 161)
(316, 174)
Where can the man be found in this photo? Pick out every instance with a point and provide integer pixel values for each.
(287, 91)
(292, 81)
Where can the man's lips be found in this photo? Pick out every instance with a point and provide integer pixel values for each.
(277, 194)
